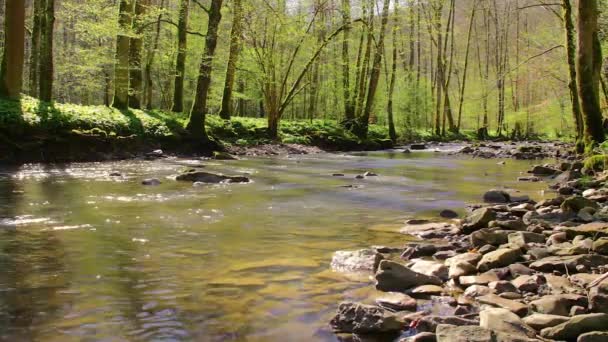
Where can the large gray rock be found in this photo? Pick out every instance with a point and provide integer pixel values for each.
(430, 268)
(364, 319)
(528, 283)
(499, 319)
(470, 257)
(356, 261)
(593, 230)
(576, 326)
(499, 258)
(392, 276)
(521, 239)
(397, 301)
(540, 321)
(206, 177)
(575, 203)
(478, 219)
(557, 304)
(540, 170)
(568, 263)
(461, 268)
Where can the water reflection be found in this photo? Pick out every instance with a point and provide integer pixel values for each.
(105, 258)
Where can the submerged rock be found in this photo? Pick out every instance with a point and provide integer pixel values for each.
(364, 319)
(496, 196)
(206, 177)
(151, 182)
(356, 261)
(217, 155)
(397, 301)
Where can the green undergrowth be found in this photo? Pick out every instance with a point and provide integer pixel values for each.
(30, 118)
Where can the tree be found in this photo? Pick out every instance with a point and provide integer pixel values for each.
(349, 108)
(589, 63)
(46, 52)
(235, 46)
(180, 62)
(11, 69)
(35, 46)
(571, 58)
(136, 83)
(196, 123)
(121, 66)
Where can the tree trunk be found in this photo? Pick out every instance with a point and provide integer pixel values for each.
(466, 66)
(35, 47)
(235, 46)
(11, 70)
(363, 72)
(136, 46)
(196, 123)
(46, 52)
(571, 56)
(391, 87)
(349, 108)
(589, 63)
(150, 60)
(363, 126)
(180, 63)
(121, 66)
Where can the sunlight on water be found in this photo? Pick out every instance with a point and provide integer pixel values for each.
(86, 255)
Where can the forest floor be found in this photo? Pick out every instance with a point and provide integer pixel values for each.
(34, 131)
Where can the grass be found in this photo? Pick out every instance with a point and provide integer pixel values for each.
(29, 118)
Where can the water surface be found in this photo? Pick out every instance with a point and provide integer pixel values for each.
(89, 257)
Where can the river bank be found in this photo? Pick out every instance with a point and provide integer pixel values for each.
(513, 269)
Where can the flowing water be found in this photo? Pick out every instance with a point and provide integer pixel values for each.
(89, 257)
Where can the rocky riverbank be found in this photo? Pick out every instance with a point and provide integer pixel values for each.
(511, 270)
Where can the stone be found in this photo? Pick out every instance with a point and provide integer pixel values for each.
(521, 239)
(533, 179)
(557, 304)
(421, 337)
(489, 236)
(577, 310)
(415, 147)
(496, 196)
(482, 279)
(511, 295)
(512, 225)
(485, 249)
(443, 255)
(356, 261)
(540, 321)
(461, 268)
(499, 258)
(598, 298)
(427, 290)
(499, 319)
(575, 203)
(466, 333)
(601, 246)
(594, 336)
(419, 250)
(370, 174)
(470, 257)
(218, 155)
(115, 174)
(392, 276)
(475, 291)
(449, 214)
(497, 301)
(364, 319)
(518, 269)
(540, 170)
(593, 230)
(206, 177)
(568, 263)
(502, 286)
(528, 283)
(397, 301)
(429, 230)
(565, 190)
(151, 182)
(478, 219)
(430, 268)
(430, 323)
(576, 326)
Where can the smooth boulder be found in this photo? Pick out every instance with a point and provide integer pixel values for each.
(393, 276)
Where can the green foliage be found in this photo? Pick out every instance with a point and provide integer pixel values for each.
(596, 163)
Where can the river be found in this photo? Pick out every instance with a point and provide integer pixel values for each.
(89, 257)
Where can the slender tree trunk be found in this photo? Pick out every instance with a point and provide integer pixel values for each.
(391, 87)
(375, 75)
(589, 61)
(150, 60)
(35, 47)
(196, 123)
(46, 52)
(180, 63)
(363, 73)
(466, 66)
(235, 46)
(135, 49)
(349, 109)
(571, 57)
(11, 69)
(121, 67)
